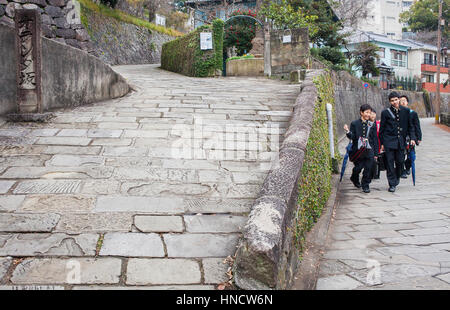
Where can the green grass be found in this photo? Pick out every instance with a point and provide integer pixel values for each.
(240, 57)
(124, 17)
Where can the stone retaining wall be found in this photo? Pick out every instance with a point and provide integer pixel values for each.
(70, 77)
(60, 20)
(267, 257)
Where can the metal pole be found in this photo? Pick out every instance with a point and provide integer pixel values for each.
(438, 89)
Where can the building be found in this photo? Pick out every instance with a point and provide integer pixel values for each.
(393, 61)
(207, 10)
(422, 63)
(384, 17)
(404, 60)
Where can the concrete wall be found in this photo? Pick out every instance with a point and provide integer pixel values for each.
(70, 77)
(245, 67)
(8, 63)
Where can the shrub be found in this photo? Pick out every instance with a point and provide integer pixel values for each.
(240, 32)
(111, 3)
(184, 55)
(315, 181)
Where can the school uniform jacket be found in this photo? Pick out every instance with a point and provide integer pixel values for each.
(359, 129)
(416, 123)
(395, 125)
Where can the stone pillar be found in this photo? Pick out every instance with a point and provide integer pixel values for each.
(28, 51)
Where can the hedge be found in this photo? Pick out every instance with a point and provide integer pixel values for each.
(184, 55)
(315, 182)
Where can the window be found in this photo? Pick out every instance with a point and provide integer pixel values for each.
(398, 58)
(427, 78)
(429, 59)
(382, 52)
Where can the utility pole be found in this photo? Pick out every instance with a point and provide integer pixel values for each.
(438, 90)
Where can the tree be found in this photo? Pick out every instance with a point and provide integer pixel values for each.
(423, 16)
(351, 12)
(152, 6)
(285, 16)
(327, 23)
(364, 57)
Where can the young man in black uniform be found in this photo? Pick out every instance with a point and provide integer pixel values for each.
(361, 128)
(404, 101)
(395, 125)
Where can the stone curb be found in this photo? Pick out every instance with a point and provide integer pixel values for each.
(266, 257)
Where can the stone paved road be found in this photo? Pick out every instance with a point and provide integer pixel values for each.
(149, 190)
(395, 240)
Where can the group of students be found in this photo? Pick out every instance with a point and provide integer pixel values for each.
(397, 131)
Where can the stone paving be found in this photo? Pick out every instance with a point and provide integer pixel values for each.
(398, 240)
(151, 190)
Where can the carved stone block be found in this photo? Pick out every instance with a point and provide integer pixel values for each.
(28, 51)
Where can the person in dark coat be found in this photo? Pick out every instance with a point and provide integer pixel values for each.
(361, 128)
(404, 101)
(376, 126)
(395, 126)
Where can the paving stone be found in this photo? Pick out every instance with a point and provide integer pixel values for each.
(5, 186)
(200, 245)
(58, 172)
(132, 244)
(75, 160)
(46, 132)
(104, 133)
(156, 205)
(385, 227)
(86, 150)
(203, 205)
(332, 267)
(442, 256)
(10, 203)
(214, 223)
(418, 240)
(355, 244)
(112, 142)
(374, 234)
(23, 161)
(57, 203)
(162, 271)
(416, 283)
(215, 270)
(426, 231)
(444, 277)
(106, 222)
(158, 189)
(407, 249)
(394, 273)
(125, 151)
(68, 271)
(64, 141)
(45, 244)
(339, 282)
(28, 222)
(5, 262)
(72, 133)
(148, 223)
(48, 187)
(100, 187)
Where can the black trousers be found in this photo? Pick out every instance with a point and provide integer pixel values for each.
(367, 165)
(395, 159)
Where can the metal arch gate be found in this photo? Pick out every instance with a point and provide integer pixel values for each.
(266, 48)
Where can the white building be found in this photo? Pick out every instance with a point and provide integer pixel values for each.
(384, 17)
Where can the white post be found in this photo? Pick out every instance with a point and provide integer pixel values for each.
(330, 128)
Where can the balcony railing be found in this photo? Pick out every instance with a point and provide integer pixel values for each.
(432, 62)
